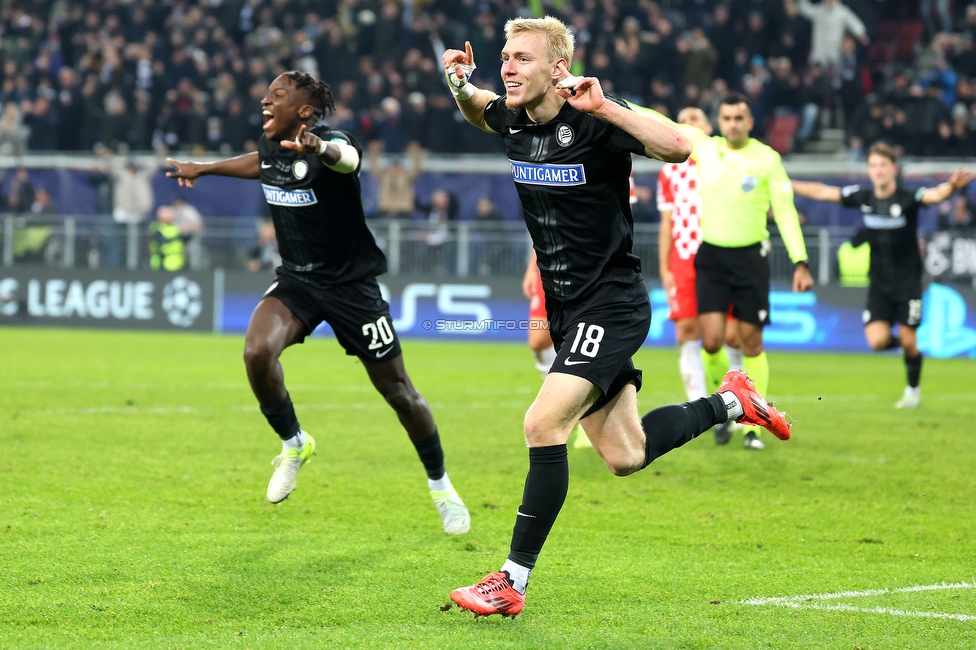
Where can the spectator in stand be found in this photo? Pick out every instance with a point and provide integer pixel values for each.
(441, 210)
(43, 204)
(395, 198)
(70, 111)
(133, 194)
(13, 132)
(698, 57)
(945, 79)
(942, 11)
(959, 216)
(847, 78)
(830, 20)
(21, 196)
(190, 222)
(486, 255)
(644, 208)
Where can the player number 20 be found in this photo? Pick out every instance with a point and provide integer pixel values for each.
(591, 342)
(380, 332)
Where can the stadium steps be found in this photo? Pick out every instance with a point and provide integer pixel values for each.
(830, 141)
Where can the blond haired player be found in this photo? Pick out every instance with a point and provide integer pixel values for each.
(570, 150)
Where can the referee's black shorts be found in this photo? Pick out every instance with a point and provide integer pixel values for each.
(734, 276)
(596, 336)
(355, 310)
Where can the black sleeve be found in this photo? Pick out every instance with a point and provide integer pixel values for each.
(852, 196)
(860, 237)
(619, 140)
(335, 135)
(496, 114)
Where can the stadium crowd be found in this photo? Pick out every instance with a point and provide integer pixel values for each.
(181, 75)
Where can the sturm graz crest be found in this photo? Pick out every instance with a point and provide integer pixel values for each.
(182, 301)
(564, 135)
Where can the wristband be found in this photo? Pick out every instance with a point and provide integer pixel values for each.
(461, 89)
(322, 147)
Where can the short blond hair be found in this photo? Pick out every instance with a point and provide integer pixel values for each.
(559, 40)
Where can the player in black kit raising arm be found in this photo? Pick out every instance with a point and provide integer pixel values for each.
(570, 150)
(890, 214)
(310, 176)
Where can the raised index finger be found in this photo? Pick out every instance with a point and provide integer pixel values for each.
(301, 134)
(468, 53)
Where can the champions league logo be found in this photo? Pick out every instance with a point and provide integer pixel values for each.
(182, 301)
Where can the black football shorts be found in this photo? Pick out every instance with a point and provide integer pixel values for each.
(734, 276)
(596, 337)
(355, 310)
(894, 305)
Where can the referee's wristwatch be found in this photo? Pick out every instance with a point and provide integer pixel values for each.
(805, 263)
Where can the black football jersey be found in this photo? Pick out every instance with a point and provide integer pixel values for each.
(318, 213)
(572, 174)
(891, 228)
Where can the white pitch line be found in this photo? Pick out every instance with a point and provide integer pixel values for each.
(807, 601)
(880, 610)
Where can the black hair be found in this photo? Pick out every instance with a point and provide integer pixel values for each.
(319, 94)
(732, 99)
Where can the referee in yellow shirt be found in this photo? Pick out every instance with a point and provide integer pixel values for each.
(741, 178)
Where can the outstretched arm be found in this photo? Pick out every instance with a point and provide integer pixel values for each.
(470, 99)
(187, 173)
(817, 191)
(338, 156)
(943, 191)
(661, 140)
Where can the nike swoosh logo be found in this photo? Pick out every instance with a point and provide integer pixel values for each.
(511, 130)
(383, 353)
(522, 514)
(569, 362)
(265, 165)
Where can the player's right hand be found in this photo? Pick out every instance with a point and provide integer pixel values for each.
(459, 63)
(186, 173)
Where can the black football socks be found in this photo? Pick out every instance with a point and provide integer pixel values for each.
(282, 419)
(913, 365)
(545, 491)
(431, 455)
(669, 427)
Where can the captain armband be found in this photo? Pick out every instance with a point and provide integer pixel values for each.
(348, 157)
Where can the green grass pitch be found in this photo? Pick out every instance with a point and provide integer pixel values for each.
(132, 510)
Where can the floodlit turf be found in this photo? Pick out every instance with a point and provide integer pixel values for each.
(132, 510)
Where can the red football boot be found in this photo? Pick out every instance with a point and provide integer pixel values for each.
(755, 409)
(493, 595)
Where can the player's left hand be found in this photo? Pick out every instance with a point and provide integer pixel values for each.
(586, 95)
(961, 178)
(802, 280)
(304, 143)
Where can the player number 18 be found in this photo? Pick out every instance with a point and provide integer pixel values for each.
(591, 343)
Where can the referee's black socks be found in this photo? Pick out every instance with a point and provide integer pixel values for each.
(669, 427)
